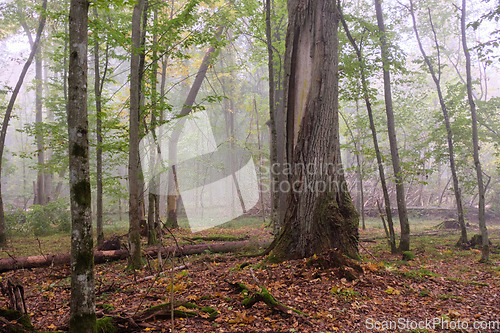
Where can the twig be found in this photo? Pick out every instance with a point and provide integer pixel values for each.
(371, 255)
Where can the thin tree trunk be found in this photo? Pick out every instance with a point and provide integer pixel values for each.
(135, 259)
(98, 85)
(40, 187)
(436, 79)
(261, 194)
(82, 301)
(404, 244)
(359, 175)
(39, 196)
(475, 141)
(366, 97)
(172, 151)
(275, 179)
(152, 186)
(8, 112)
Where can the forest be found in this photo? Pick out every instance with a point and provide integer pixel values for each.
(249, 166)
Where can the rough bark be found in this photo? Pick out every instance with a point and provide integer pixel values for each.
(14, 263)
(135, 259)
(8, 112)
(82, 302)
(404, 243)
(437, 78)
(381, 171)
(485, 250)
(320, 214)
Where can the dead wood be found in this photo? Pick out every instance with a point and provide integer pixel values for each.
(14, 263)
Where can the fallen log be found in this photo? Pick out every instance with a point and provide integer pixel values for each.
(13, 263)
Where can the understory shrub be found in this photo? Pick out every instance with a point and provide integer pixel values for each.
(43, 220)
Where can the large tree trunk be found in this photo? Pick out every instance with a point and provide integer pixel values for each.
(475, 141)
(135, 259)
(82, 302)
(8, 112)
(404, 244)
(320, 213)
(436, 78)
(381, 171)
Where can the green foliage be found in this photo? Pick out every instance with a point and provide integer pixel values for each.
(50, 219)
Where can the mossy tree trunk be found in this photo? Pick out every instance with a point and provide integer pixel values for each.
(320, 214)
(82, 302)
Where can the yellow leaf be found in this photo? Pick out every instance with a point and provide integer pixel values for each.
(392, 291)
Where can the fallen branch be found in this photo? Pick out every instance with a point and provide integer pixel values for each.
(252, 297)
(13, 263)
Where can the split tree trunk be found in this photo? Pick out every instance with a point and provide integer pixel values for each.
(320, 213)
(404, 243)
(82, 301)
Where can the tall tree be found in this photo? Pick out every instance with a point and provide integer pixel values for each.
(404, 244)
(436, 77)
(98, 87)
(10, 107)
(82, 302)
(135, 259)
(174, 139)
(366, 97)
(475, 140)
(320, 213)
(39, 193)
(153, 200)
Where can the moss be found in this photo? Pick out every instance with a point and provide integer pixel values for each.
(81, 193)
(79, 151)
(184, 314)
(408, 255)
(105, 325)
(20, 318)
(83, 323)
(208, 309)
(85, 260)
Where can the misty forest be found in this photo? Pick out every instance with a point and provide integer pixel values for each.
(249, 166)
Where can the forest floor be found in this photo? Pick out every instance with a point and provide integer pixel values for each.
(442, 285)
